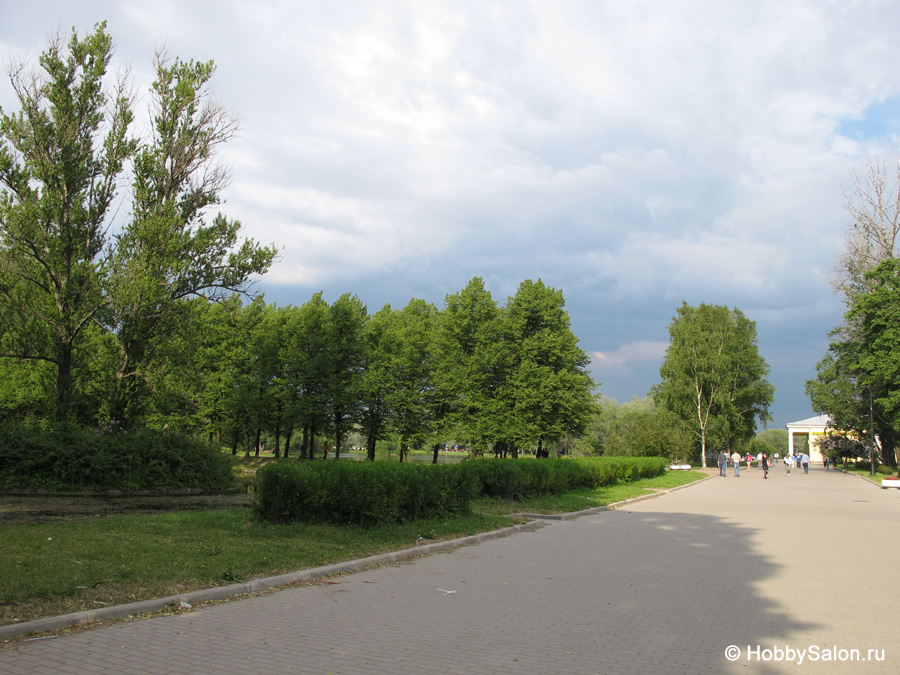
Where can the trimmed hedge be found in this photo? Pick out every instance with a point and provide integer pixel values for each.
(361, 493)
(521, 479)
(74, 459)
(388, 492)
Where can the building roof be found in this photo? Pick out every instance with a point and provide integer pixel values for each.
(820, 421)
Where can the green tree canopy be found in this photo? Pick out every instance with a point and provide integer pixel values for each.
(713, 377)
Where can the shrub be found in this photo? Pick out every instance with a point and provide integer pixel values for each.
(76, 459)
(366, 493)
(370, 493)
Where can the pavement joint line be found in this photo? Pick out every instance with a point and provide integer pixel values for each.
(85, 617)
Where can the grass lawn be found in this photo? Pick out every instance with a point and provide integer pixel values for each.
(56, 568)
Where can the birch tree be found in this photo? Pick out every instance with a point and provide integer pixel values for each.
(713, 377)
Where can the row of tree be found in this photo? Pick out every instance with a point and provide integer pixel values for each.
(858, 381)
(503, 378)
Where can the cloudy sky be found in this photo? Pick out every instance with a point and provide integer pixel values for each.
(635, 154)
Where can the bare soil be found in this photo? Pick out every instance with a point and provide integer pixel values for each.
(29, 509)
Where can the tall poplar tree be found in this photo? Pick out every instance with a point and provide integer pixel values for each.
(171, 249)
(61, 156)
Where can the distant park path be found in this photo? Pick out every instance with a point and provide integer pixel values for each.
(665, 585)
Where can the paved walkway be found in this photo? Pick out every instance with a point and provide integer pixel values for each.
(666, 585)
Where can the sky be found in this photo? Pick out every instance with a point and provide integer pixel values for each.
(634, 154)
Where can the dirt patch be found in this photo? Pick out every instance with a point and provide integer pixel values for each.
(29, 509)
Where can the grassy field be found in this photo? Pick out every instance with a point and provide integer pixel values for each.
(67, 566)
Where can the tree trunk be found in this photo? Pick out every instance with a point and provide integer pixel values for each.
(437, 447)
(287, 440)
(63, 383)
(277, 441)
(257, 440)
(338, 420)
(304, 443)
(370, 448)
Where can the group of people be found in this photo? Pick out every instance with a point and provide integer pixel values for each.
(802, 461)
(799, 460)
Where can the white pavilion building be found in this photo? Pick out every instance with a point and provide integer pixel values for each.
(814, 429)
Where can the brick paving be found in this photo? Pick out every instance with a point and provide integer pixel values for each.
(658, 586)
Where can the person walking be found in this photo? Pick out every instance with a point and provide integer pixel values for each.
(736, 460)
(723, 462)
(749, 461)
(765, 465)
(805, 463)
(788, 463)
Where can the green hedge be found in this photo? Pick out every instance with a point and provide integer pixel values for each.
(389, 492)
(361, 493)
(520, 479)
(74, 459)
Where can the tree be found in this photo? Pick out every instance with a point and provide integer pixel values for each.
(549, 387)
(168, 252)
(872, 237)
(61, 273)
(305, 354)
(877, 366)
(713, 377)
(470, 369)
(378, 342)
(843, 384)
(641, 428)
(60, 159)
(346, 320)
(409, 398)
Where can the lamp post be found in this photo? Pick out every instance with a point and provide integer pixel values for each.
(859, 399)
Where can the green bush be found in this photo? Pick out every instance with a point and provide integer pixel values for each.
(69, 458)
(885, 470)
(519, 479)
(361, 493)
(370, 493)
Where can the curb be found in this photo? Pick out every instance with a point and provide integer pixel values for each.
(538, 520)
(222, 592)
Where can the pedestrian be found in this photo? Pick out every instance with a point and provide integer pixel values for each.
(765, 465)
(805, 463)
(788, 463)
(736, 460)
(749, 461)
(723, 462)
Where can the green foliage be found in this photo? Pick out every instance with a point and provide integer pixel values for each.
(522, 479)
(858, 381)
(774, 440)
(60, 159)
(371, 493)
(640, 428)
(713, 377)
(69, 458)
(367, 493)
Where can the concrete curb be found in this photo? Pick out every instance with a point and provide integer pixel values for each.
(222, 592)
